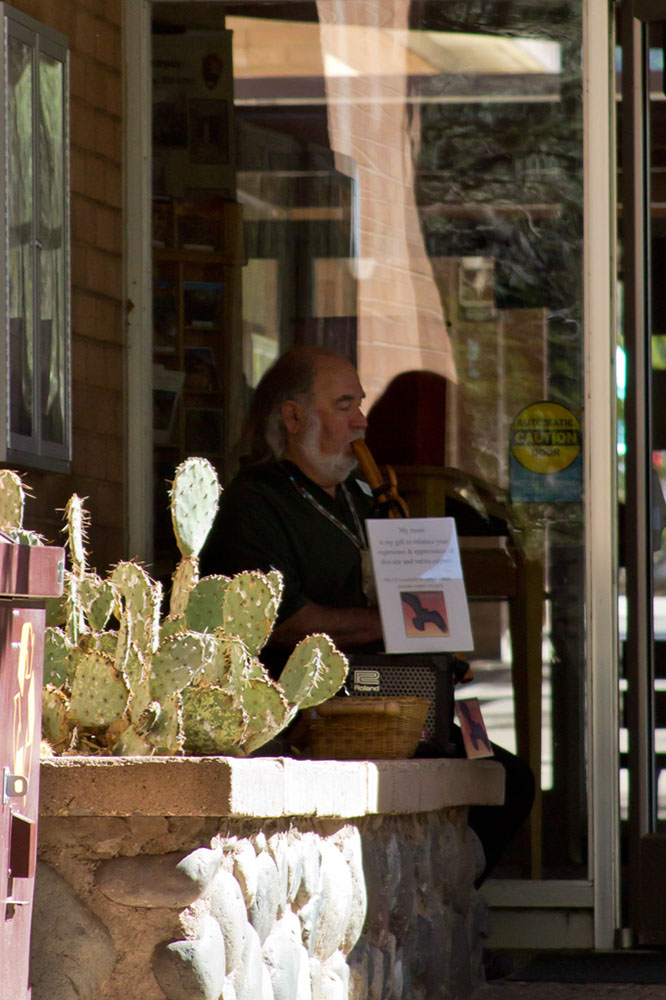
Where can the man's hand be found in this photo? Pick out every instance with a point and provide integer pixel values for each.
(347, 627)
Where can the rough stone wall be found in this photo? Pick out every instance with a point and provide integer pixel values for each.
(93, 29)
(200, 909)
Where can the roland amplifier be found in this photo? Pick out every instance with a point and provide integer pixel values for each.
(422, 675)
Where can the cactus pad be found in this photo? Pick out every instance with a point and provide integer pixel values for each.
(268, 712)
(250, 609)
(195, 492)
(57, 663)
(172, 626)
(54, 718)
(164, 732)
(204, 611)
(276, 583)
(12, 499)
(314, 672)
(179, 661)
(131, 744)
(76, 530)
(134, 667)
(182, 582)
(97, 598)
(23, 537)
(213, 722)
(99, 692)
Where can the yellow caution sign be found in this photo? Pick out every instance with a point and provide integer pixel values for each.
(545, 438)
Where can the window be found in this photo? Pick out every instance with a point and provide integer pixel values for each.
(34, 297)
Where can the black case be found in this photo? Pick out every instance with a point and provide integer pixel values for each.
(423, 675)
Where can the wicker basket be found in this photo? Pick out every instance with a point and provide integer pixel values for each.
(365, 728)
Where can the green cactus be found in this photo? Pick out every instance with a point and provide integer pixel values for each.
(12, 500)
(268, 712)
(184, 579)
(54, 718)
(99, 692)
(191, 683)
(76, 531)
(178, 662)
(97, 598)
(195, 493)
(250, 609)
(314, 672)
(205, 607)
(58, 662)
(213, 722)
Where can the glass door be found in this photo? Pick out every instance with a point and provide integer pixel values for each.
(410, 176)
(412, 183)
(643, 439)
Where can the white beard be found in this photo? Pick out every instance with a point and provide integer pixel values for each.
(330, 468)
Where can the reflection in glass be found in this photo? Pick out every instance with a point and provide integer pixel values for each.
(52, 256)
(411, 178)
(20, 222)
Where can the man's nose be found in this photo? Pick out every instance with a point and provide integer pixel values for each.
(359, 419)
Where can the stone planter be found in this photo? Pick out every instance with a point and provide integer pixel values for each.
(261, 879)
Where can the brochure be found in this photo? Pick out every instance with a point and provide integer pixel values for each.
(475, 736)
(420, 587)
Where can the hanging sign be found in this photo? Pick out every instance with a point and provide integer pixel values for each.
(545, 462)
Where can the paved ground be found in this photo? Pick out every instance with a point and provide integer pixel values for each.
(507, 990)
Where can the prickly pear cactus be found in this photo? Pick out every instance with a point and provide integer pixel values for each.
(76, 534)
(119, 680)
(99, 692)
(314, 672)
(12, 500)
(195, 493)
(12, 503)
(249, 609)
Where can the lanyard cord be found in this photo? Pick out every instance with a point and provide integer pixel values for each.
(359, 538)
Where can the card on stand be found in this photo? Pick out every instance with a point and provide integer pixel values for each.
(420, 586)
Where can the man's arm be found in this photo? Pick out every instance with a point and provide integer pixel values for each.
(347, 627)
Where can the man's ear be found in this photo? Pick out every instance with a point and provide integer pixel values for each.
(292, 415)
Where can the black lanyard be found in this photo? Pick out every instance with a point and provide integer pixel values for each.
(359, 538)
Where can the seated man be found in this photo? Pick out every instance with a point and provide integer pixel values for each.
(295, 507)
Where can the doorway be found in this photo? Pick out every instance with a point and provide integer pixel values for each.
(465, 267)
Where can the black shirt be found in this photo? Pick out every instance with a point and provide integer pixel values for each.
(266, 523)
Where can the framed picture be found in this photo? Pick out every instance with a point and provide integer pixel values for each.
(200, 370)
(204, 431)
(202, 303)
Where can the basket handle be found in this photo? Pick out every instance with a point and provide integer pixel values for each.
(344, 708)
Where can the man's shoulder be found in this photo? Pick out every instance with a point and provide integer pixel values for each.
(256, 482)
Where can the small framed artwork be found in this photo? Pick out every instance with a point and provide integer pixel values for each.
(200, 370)
(202, 303)
(204, 431)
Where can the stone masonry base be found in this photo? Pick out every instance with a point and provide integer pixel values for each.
(339, 901)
